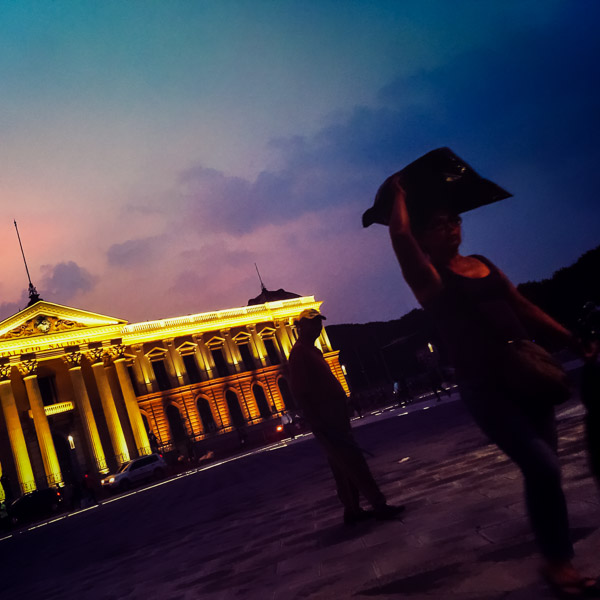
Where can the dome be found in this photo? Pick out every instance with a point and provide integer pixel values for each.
(272, 296)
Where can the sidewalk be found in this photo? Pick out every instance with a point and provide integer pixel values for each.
(465, 534)
(268, 526)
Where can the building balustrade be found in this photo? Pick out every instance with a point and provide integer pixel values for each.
(55, 409)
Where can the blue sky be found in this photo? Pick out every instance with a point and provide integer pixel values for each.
(154, 151)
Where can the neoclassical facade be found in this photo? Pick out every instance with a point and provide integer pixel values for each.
(86, 392)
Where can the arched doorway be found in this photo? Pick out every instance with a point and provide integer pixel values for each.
(237, 417)
(261, 401)
(176, 425)
(206, 416)
(286, 394)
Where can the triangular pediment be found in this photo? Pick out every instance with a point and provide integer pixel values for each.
(43, 318)
(187, 348)
(215, 342)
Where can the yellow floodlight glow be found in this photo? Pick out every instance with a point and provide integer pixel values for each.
(71, 442)
(430, 347)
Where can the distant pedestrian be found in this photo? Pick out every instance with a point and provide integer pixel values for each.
(355, 404)
(437, 384)
(484, 321)
(325, 406)
(88, 495)
(287, 422)
(153, 441)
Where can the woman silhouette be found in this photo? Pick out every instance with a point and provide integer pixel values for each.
(465, 294)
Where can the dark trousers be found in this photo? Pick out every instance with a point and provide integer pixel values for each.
(350, 470)
(528, 436)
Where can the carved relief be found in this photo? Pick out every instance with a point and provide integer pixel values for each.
(40, 325)
(28, 367)
(118, 351)
(73, 359)
(5, 370)
(95, 355)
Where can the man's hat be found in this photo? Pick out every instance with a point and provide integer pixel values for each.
(310, 313)
(438, 179)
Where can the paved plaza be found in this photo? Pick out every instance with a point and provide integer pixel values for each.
(268, 526)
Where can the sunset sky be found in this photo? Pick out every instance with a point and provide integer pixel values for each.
(153, 151)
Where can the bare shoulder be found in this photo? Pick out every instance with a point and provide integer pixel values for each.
(473, 267)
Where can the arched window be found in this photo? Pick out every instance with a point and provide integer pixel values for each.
(286, 394)
(237, 417)
(206, 416)
(261, 401)
(175, 423)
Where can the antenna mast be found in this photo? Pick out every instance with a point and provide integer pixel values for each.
(262, 285)
(33, 294)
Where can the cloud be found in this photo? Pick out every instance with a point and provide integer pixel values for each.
(135, 253)
(7, 309)
(522, 110)
(529, 100)
(63, 281)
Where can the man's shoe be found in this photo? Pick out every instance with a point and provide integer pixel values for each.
(387, 512)
(352, 518)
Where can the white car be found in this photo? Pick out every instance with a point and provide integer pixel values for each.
(144, 468)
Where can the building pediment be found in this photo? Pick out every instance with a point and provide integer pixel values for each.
(43, 318)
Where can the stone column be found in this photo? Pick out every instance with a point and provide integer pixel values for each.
(277, 346)
(28, 369)
(232, 352)
(15, 432)
(147, 371)
(204, 351)
(258, 347)
(324, 339)
(179, 372)
(82, 400)
(283, 338)
(200, 357)
(133, 410)
(98, 357)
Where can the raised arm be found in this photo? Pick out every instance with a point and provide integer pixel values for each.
(418, 271)
(538, 321)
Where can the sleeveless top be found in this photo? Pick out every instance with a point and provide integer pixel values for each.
(473, 316)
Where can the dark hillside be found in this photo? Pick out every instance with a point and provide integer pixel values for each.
(380, 352)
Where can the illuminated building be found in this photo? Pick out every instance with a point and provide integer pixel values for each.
(82, 391)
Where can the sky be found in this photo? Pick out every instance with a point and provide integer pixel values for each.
(152, 152)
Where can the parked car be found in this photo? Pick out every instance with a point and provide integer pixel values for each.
(36, 505)
(138, 470)
(279, 432)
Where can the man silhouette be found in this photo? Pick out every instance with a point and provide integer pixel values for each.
(324, 402)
